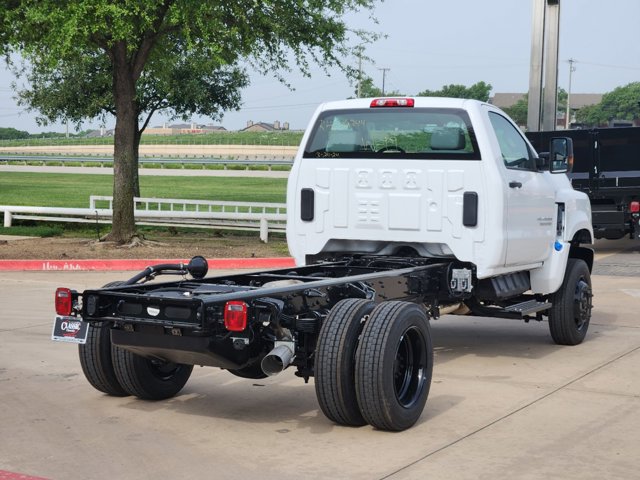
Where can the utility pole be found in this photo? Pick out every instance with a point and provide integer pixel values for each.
(384, 74)
(543, 101)
(572, 69)
(536, 66)
(550, 92)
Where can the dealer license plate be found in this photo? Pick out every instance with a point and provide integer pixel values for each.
(69, 329)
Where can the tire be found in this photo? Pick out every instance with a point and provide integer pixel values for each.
(95, 358)
(253, 371)
(570, 312)
(394, 364)
(149, 379)
(96, 361)
(335, 361)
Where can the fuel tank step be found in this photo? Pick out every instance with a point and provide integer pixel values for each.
(529, 307)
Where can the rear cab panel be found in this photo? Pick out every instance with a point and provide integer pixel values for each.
(386, 179)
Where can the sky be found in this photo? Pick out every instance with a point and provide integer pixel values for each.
(431, 43)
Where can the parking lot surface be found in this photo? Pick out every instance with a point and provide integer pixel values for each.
(505, 402)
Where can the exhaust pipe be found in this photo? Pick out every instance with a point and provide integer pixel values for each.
(277, 359)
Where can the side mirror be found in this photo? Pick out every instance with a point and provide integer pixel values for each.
(542, 162)
(560, 155)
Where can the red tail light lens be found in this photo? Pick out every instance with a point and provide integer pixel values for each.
(235, 316)
(64, 301)
(392, 102)
(634, 207)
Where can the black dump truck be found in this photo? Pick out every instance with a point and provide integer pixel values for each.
(607, 168)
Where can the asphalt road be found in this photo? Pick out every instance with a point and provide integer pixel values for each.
(505, 403)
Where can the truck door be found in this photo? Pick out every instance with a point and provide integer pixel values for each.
(531, 210)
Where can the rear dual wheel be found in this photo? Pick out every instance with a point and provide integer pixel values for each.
(374, 365)
(149, 379)
(95, 357)
(96, 361)
(118, 372)
(335, 361)
(394, 364)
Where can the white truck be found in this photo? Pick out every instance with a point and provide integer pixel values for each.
(400, 210)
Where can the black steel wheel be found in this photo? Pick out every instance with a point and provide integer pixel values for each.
(570, 313)
(95, 358)
(394, 364)
(149, 379)
(335, 361)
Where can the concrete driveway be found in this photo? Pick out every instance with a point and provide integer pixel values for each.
(505, 403)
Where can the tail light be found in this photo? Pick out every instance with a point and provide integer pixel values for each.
(634, 207)
(392, 102)
(64, 301)
(235, 316)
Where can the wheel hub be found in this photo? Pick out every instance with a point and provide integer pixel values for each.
(408, 371)
(582, 303)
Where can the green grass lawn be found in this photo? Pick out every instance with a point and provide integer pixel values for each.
(73, 190)
(284, 138)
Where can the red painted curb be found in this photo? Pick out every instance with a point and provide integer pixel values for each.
(105, 265)
(4, 475)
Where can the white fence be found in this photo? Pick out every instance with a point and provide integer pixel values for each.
(263, 217)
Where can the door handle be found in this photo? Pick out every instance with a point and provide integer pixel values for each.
(515, 184)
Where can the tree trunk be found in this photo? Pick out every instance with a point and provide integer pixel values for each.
(125, 149)
(136, 180)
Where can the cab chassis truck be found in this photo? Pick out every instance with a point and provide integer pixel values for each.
(400, 210)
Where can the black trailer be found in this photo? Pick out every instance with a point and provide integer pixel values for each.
(606, 168)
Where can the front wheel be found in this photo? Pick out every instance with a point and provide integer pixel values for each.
(570, 313)
(394, 364)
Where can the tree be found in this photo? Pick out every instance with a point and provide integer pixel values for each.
(478, 91)
(368, 89)
(519, 111)
(622, 103)
(12, 134)
(131, 58)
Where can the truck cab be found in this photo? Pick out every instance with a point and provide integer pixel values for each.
(432, 177)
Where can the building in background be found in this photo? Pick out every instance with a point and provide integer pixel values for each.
(183, 129)
(265, 127)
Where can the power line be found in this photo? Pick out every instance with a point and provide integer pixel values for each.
(623, 67)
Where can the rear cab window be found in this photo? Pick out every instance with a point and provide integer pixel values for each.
(387, 133)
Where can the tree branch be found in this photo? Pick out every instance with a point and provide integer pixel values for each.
(142, 55)
(152, 110)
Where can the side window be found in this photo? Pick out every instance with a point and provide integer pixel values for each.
(515, 152)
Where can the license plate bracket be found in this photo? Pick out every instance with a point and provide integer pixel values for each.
(70, 330)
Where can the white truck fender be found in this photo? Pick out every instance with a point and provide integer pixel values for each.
(577, 217)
